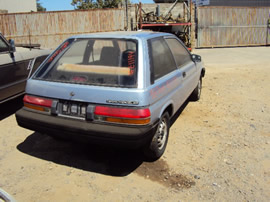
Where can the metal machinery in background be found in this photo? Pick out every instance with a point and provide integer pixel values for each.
(165, 22)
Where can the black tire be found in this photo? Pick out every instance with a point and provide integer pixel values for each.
(157, 145)
(196, 94)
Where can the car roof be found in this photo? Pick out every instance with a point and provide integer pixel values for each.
(124, 34)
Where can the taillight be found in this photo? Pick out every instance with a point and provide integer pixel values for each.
(122, 115)
(37, 103)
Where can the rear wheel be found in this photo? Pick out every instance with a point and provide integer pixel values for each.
(157, 146)
(196, 94)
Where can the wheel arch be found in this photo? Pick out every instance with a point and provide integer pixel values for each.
(167, 108)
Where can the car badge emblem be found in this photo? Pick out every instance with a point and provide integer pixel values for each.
(72, 94)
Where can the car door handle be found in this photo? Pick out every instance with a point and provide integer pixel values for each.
(184, 74)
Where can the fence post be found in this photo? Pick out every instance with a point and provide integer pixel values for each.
(268, 31)
(126, 2)
(193, 25)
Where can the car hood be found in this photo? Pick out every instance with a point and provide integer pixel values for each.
(27, 53)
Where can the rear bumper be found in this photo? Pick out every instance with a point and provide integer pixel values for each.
(98, 133)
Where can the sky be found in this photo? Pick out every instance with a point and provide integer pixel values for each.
(58, 5)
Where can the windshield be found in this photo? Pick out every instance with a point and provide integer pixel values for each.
(107, 62)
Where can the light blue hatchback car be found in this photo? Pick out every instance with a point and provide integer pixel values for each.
(113, 88)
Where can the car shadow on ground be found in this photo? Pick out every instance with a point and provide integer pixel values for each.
(10, 107)
(85, 156)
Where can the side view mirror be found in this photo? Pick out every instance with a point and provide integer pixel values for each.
(12, 47)
(196, 58)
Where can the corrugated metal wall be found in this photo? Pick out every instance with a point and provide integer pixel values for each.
(253, 3)
(51, 28)
(233, 26)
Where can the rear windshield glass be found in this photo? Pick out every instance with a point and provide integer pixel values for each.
(106, 62)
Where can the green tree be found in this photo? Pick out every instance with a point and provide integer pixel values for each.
(92, 4)
(40, 7)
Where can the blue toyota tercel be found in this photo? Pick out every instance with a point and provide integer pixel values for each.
(113, 88)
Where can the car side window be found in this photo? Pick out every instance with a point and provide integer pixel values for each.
(3, 46)
(181, 55)
(161, 59)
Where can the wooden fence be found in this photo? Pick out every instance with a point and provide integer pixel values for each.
(49, 29)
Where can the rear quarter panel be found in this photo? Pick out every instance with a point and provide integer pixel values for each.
(172, 89)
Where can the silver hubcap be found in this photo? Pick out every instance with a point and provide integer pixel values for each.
(161, 134)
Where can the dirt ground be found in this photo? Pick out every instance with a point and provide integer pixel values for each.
(218, 150)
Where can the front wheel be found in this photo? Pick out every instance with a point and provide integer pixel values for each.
(157, 146)
(196, 94)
